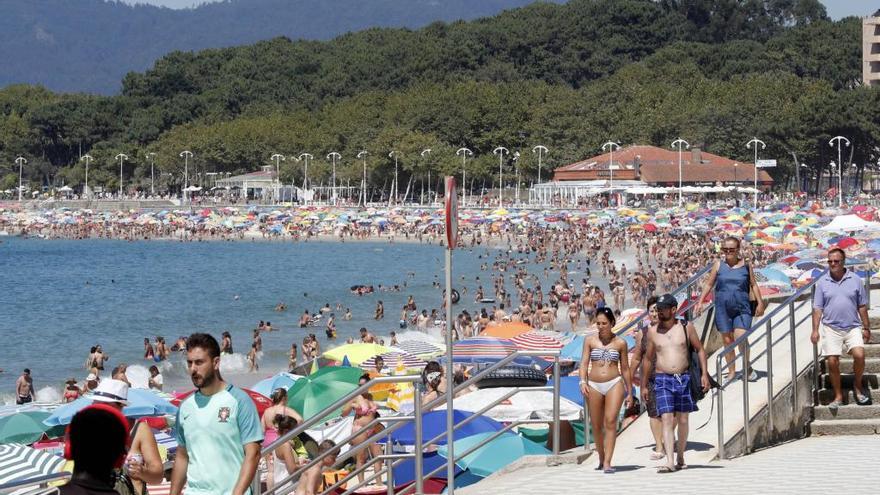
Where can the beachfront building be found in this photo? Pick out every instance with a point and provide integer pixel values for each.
(643, 169)
(259, 186)
(871, 50)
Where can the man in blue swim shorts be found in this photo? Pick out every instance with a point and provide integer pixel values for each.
(668, 348)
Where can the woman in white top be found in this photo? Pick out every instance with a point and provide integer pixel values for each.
(284, 459)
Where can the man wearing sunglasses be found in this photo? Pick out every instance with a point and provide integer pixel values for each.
(840, 305)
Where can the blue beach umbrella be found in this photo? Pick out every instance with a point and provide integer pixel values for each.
(570, 388)
(141, 403)
(405, 472)
(434, 424)
(269, 385)
(496, 454)
(574, 350)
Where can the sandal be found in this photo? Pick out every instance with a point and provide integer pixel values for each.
(833, 405)
(656, 456)
(665, 470)
(608, 470)
(680, 465)
(863, 400)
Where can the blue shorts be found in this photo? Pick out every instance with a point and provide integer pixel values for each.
(673, 393)
(732, 313)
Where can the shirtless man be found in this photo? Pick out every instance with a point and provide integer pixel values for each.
(500, 314)
(367, 337)
(99, 357)
(305, 319)
(310, 480)
(668, 347)
(24, 388)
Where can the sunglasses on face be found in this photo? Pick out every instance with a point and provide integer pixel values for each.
(729, 250)
(834, 262)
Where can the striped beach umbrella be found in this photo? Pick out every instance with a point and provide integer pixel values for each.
(393, 358)
(418, 348)
(20, 462)
(485, 350)
(532, 341)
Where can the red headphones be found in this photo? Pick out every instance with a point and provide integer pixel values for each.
(68, 451)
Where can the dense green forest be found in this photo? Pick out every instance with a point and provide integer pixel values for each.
(89, 45)
(566, 76)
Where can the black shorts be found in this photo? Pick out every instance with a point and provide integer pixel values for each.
(651, 401)
(23, 399)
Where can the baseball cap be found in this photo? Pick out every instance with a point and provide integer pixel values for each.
(667, 301)
(111, 391)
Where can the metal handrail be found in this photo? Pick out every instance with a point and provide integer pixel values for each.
(38, 480)
(792, 304)
(399, 421)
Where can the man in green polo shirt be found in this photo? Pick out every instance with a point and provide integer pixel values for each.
(218, 430)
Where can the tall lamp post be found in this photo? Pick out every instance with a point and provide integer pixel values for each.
(754, 144)
(363, 155)
(516, 169)
(540, 150)
(333, 156)
(425, 152)
(681, 143)
(500, 151)
(152, 157)
(841, 141)
(186, 155)
(88, 159)
(20, 161)
(306, 157)
(121, 157)
(278, 158)
(392, 197)
(463, 153)
(610, 146)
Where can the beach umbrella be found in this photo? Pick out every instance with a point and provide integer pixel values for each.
(346, 362)
(393, 359)
(526, 404)
(532, 341)
(477, 350)
(506, 330)
(772, 276)
(405, 472)
(27, 428)
(141, 403)
(418, 348)
(574, 350)
(357, 353)
(311, 394)
(20, 462)
(281, 380)
(495, 455)
(434, 424)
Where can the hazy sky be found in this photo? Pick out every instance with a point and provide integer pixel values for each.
(836, 8)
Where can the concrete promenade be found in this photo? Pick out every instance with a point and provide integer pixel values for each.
(813, 465)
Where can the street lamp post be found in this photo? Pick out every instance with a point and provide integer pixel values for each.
(306, 157)
(152, 157)
(20, 161)
(392, 197)
(500, 151)
(363, 155)
(680, 143)
(463, 153)
(540, 150)
(425, 152)
(121, 157)
(754, 144)
(278, 159)
(333, 156)
(610, 146)
(841, 141)
(516, 171)
(88, 159)
(186, 155)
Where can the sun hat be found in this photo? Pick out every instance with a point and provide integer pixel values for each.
(111, 391)
(92, 377)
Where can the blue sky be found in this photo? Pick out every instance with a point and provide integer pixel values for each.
(836, 8)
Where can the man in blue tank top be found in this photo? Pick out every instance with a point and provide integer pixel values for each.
(218, 429)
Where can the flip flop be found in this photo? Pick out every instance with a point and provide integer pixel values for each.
(608, 471)
(665, 470)
(656, 456)
(681, 466)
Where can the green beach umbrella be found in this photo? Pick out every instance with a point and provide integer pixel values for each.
(311, 394)
(495, 455)
(27, 427)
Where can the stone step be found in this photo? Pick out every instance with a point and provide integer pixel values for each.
(852, 411)
(872, 350)
(872, 365)
(845, 427)
(870, 380)
(827, 395)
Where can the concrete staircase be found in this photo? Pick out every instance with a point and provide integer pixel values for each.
(851, 418)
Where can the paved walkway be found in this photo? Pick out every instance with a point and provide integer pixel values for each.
(811, 465)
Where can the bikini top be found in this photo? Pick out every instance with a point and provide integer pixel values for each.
(607, 355)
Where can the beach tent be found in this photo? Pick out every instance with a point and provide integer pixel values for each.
(526, 404)
(850, 223)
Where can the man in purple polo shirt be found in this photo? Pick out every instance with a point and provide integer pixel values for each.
(840, 305)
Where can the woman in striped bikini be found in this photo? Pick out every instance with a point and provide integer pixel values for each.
(605, 381)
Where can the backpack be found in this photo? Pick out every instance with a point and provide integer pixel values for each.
(695, 371)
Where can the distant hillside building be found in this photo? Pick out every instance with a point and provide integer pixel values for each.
(871, 50)
(640, 166)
